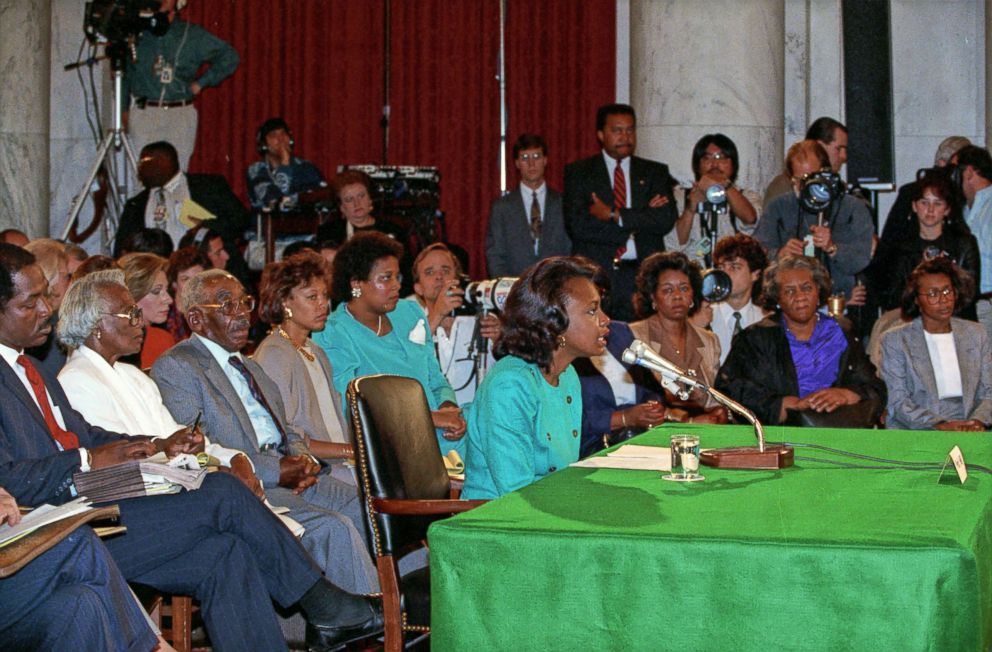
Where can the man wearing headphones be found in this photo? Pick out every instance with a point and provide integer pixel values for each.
(164, 79)
(276, 181)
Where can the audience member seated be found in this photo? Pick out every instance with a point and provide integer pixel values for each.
(209, 243)
(798, 358)
(460, 340)
(668, 284)
(145, 277)
(184, 264)
(76, 256)
(99, 325)
(295, 301)
(715, 163)
(975, 165)
(938, 368)
(147, 241)
(94, 263)
(51, 257)
(842, 240)
(70, 598)
(372, 331)
(275, 182)
(218, 543)
(832, 136)
(242, 408)
(170, 193)
(744, 260)
(14, 237)
(353, 191)
(937, 229)
(527, 416)
(532, 208)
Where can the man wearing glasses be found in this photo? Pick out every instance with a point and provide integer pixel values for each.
(242, 409)
(526, 224)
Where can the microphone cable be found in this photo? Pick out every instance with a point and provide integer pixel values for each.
(881, 462)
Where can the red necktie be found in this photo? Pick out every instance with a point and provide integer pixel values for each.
(67, 439)
(619, 201)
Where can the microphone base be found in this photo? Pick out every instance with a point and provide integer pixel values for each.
(748, 457)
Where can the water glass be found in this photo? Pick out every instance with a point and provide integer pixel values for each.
(685, 459)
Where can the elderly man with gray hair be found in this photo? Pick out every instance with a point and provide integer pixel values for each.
(242, 408)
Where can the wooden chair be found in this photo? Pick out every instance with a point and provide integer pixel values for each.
(404, 488)
(173, 615)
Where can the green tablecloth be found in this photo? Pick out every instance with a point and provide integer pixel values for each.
(812, 557)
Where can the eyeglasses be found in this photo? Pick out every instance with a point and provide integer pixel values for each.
(934, 295)
(232, 307)
(537, 156)
(715, 156)
(133, 315)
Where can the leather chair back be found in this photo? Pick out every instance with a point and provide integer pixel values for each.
(397, 455)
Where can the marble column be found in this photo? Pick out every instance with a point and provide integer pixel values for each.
(24, 62)
(706, 67)
(988, 73)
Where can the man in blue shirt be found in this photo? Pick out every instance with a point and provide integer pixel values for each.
(162, 82)
(976, 183)
(276, 181)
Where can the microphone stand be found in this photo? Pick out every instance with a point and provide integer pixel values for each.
(743, 457)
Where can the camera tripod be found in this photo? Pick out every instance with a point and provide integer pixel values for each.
(116, 138)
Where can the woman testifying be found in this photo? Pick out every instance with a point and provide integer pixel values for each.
(527, 414)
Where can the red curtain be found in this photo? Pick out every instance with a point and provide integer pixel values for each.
(320, 63)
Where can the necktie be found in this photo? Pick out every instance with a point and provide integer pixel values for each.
(737, 323)
(619, 201)
(535, 218)
(160, 215)
(256, 393)
(67, 439)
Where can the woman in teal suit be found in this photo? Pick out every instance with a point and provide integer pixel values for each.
(373, 332)
(526, 419)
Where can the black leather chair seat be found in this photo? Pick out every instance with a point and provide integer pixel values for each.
(415, 589)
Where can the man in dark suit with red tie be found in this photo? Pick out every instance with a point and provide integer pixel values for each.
(618, 207)
(218, 543)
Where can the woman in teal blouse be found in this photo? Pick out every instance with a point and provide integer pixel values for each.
(526, 419)
(373, 332)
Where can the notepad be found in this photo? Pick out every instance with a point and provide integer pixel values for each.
(633, 457)
(40, 517)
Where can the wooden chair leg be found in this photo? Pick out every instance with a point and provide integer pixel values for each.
(182, 623)
(389, 584)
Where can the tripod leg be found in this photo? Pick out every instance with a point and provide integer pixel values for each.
(84, 192)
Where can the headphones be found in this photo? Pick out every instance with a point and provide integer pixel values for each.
(268, 127)
(201, 233)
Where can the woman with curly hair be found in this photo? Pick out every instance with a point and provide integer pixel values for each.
(669, 291)
(372, 331)
(527, 414)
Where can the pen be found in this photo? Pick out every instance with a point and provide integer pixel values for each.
(197, 422)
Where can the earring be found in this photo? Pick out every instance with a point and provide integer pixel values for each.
(356, 292)
(654, 306)
(99, 334)
(692, 305)
(561, 341)
(287, 312)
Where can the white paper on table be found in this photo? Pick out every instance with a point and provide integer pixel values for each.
(623, 462)
(649, 452)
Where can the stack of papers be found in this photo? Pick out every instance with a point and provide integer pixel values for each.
(40, 517)
(454, 465)
(631, 456)
(136, 478)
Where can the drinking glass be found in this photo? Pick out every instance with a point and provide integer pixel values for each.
(685, 459)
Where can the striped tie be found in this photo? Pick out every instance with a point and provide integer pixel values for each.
(535, 218)
(619, 188)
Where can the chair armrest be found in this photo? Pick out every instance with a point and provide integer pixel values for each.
(407, 507)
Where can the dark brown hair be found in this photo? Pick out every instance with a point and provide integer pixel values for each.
(279, 279)
(961, 281)
(653, 267)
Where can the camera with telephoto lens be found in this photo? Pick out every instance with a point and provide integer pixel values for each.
(489, 295)
(820, 189)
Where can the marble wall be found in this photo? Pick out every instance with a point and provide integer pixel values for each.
(689, 77)
(24, 96)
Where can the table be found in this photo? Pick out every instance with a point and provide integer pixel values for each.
(813, 557)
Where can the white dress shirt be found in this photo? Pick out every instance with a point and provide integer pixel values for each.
(175, 192)
(944, 360)
(723, 323)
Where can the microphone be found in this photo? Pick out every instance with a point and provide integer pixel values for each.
(762, 457)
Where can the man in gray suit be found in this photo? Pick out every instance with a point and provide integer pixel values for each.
(526, 224)
(242, 408)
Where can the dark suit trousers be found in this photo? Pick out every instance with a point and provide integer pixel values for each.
(72, 598)
(221, 545)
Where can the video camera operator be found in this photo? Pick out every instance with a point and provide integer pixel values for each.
(461, 340)
(838, 231)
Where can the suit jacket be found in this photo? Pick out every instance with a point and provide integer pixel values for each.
(508, 233)
(281, 361)
(32, 468)
(709, 353)
(759, 372)
(192, 382)
(909, 375)
(600, 240)
(210, 191)
(598, 399)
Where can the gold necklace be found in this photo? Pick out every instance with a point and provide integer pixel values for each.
(306, 354)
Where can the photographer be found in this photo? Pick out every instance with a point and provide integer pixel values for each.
(840, 234)
(164, 81)
(459, 339)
